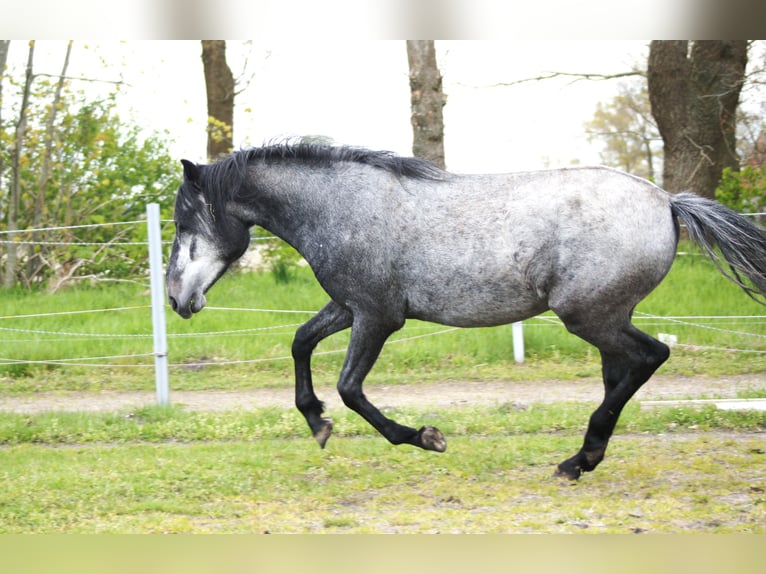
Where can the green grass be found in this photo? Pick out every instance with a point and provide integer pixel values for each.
(694, 287)
(168, 470)
(160, 424)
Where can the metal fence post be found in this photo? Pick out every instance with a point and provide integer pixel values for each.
(518, 342)
(158, 304)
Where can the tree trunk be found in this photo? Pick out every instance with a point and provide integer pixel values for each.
(694, 93)
(11, 261)
(4, 46)
(45, 171)
(219, 83)
(427, 100)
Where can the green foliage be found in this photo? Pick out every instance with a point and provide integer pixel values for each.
(282, 260)
(744, 190)
(91, 168)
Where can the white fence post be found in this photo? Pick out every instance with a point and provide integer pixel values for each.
(518, 342)
(158, 304)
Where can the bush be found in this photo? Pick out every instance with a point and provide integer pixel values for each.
(744, 190)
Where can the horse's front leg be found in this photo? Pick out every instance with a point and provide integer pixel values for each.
(367, 339)
(331, 319)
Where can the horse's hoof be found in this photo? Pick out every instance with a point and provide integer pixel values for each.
(324, 432)
(568, 471)
(432, 438)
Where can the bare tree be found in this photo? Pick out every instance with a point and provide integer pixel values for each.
(626, 128)
(427, 99)
(45, 171)
(11, 261)
(219, 83)
(694, 91)
(4, 46)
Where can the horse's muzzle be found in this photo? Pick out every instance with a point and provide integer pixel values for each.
(187, 308)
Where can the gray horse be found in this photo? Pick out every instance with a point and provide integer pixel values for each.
(391, 238)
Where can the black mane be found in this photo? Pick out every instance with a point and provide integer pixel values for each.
(224, 177)
(229, 171)
(323, 155)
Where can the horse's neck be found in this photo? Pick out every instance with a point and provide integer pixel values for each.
(287, 204)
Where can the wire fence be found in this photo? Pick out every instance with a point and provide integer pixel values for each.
(12, 332)
(37, 230)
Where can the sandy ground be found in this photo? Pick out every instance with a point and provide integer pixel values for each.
(440, 394)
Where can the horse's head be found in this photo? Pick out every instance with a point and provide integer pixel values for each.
(207, 241)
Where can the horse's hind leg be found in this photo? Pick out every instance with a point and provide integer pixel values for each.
(629, 357)
(331, 319)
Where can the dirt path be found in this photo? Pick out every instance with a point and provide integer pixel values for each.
(441, 394)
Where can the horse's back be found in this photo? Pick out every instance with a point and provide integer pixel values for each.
(497, 248)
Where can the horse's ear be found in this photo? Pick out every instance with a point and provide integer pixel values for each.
(191, 170)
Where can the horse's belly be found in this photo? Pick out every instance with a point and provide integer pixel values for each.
(471, 305)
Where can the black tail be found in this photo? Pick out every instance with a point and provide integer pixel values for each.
(741, 242)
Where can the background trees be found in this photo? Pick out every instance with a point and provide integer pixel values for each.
(219, 84)
(627, 130)
(69, 156)
(69, 159)
(694, 91)
(427, 100)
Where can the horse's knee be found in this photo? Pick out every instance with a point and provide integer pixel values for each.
(351, 395)
(302, 346)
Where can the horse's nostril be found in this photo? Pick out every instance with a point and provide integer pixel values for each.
(173, 303)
